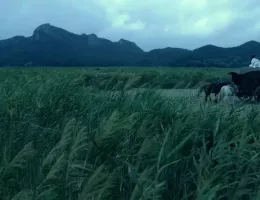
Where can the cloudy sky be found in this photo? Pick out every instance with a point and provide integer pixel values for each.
(148, 23)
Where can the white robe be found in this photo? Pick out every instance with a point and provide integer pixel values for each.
(255, 63)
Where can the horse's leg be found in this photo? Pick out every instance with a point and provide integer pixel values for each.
(216, 100)
(220, 96)
(208, 94)
(233, 95)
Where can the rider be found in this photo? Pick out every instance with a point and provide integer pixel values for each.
(254, 62)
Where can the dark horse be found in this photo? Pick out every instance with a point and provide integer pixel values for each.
(212, 87)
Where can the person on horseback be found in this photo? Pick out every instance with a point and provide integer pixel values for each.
(254, 62)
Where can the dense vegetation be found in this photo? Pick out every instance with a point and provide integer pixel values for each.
(158, 78)
(65, 134)
(53, 46)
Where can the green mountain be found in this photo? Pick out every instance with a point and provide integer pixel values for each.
(53, 46)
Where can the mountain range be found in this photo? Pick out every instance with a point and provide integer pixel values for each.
(54, 46)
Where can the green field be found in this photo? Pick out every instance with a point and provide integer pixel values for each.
(76, 134)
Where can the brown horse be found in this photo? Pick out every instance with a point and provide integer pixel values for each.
(212, 87)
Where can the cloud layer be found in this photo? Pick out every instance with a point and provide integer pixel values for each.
(151, 23)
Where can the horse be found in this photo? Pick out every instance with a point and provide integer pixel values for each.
(227, 92)
(212, 87)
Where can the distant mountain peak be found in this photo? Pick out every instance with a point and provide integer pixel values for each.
(123, 41)
(43, 27)
(249, 43)
(93, 35)
(53, 46)
(129, 44)
(93, 39)
(49, 30)
(209, 46)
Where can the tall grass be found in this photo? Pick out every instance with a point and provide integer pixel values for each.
(128, 78)
(64, 139)
(161, 78)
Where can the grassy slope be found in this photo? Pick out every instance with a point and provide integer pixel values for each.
(63, 139)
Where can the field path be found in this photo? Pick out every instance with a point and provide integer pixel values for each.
(178, 92)
(190, 94)
(186, 93)
(172, 92)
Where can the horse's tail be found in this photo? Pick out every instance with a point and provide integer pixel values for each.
(202, 88)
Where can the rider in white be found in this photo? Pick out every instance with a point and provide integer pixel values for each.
(255, 63)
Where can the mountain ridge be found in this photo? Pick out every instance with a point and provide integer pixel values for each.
(53, 46)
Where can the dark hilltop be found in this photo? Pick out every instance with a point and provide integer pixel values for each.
(53, 46)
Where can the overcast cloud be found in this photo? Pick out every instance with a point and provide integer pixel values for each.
(149, 23)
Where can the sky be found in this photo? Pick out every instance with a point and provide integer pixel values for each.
(149, 23)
